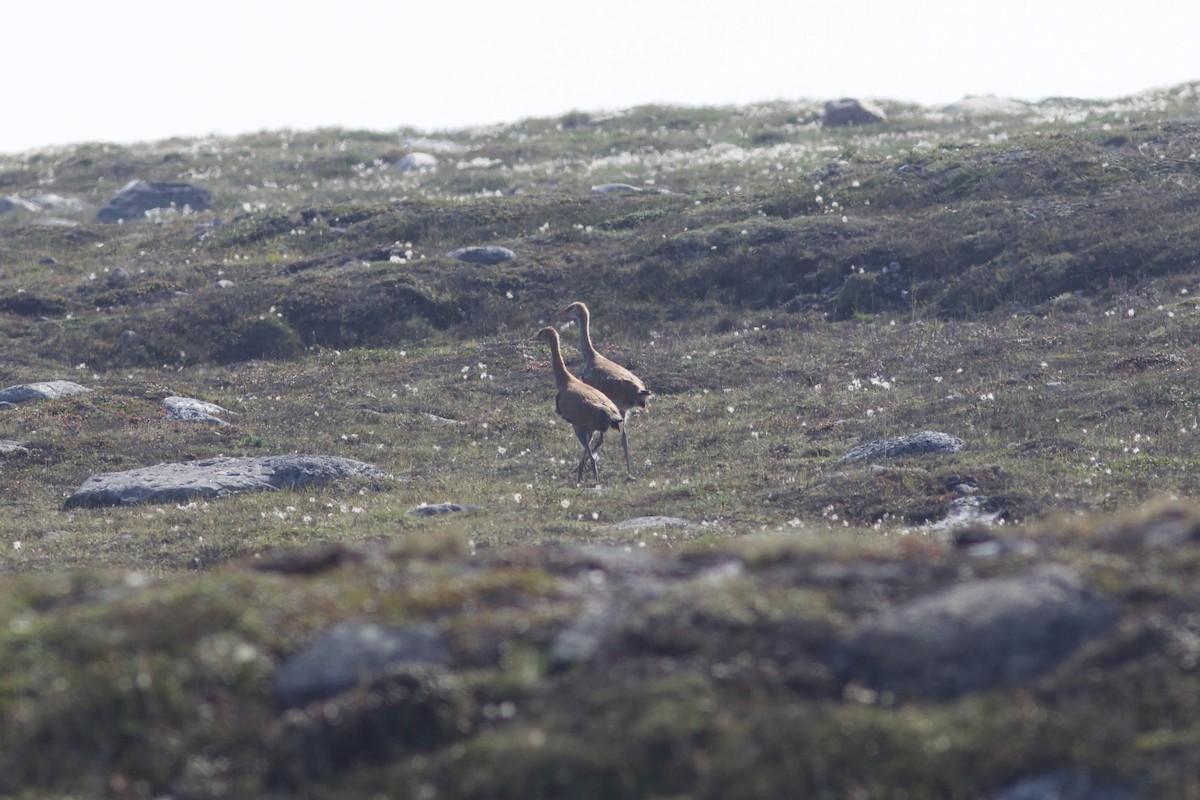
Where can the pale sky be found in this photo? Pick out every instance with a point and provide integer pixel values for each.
(142, 70)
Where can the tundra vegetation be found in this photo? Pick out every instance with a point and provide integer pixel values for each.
(1025, 280)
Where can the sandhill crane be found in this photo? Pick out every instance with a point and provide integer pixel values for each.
(620, 385)
(586, 408)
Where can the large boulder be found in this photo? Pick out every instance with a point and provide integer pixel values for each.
(849, 111)
(138, 197)
(214, 477)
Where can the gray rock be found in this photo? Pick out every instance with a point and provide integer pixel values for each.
(14, 203)
(849, 111)
(53, 222)
(615, 188)
(974, 636)
(188, 409)
(987, 106)
(487, 256)
(645, 523)
(417, 162)
(609, 604)
(203, 229)
(352, 653)
(43, 390)
(214, 477)
(1067, 784)
(8, 446)
(920, 443)
(116, 278)
(138, 197)
(437, 509)
(54, 202)
(581, 640)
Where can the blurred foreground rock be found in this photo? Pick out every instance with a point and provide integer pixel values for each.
(352, 653)
(974, 636)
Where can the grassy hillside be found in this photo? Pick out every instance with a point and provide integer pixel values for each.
(1026, 281)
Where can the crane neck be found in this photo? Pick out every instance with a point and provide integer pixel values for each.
(561, 376)
(585, 336)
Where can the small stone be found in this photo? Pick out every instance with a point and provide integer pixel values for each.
(849, 111)
(14, 203)
(138, 197)
(920, 443)
(615, 188)
(417, 162)
(987, 106)
(646, 523)
(188, 409)
(487, 256)
(54, 202)
(437, 509)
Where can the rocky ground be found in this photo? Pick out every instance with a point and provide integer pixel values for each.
(288, 511)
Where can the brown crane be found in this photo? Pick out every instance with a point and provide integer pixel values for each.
(585, 407)
(625, 389)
